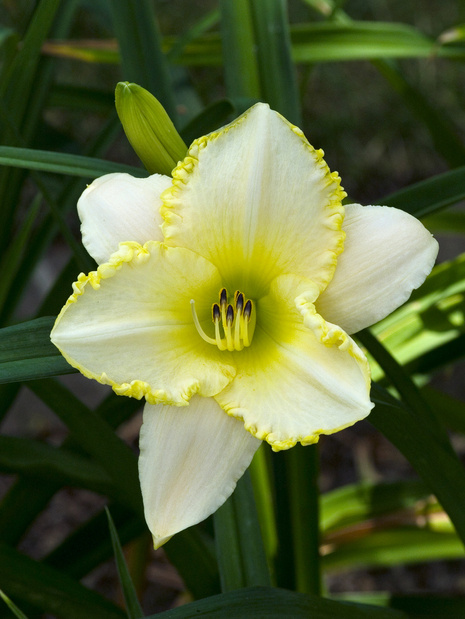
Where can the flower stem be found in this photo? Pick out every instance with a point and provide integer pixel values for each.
(260, 474)
(241, 556)
(304, 504)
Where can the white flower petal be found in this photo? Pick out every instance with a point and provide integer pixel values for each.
(301, 377)
(190, 461)
(119, 207)
(387, 254)
(257, 200)
(129, 325)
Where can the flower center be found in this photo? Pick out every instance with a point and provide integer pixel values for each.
(234, 322)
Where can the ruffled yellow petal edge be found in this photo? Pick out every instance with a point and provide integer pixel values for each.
(182, 172)
(138, 389)
(329, 335)
(306, 440)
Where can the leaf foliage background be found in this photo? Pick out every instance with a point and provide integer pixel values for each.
(379, 86)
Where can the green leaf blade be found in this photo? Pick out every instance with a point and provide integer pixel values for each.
(14, 609)
(143, 61)
(49, 590)
(272, 603)
(62, 163)
(130, 596)
(431, 195)
(26, 352)
(427, 455)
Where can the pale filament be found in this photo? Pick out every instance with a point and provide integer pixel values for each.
(234, 322)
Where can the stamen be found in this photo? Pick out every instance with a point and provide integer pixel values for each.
(236, 319)
(228, 329)
(223, 305)
(249, 323)
(216, 314)
(223, 297)
(218, 341)
(239, 298)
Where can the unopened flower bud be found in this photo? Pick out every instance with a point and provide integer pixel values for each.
(149, 128)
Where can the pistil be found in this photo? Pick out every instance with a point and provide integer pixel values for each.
(234, 322)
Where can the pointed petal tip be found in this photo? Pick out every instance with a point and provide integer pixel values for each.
(158, 542)
(189, 464)
(261, 107)
(248, 170)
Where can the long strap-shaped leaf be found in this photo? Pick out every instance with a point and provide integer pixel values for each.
(97, 438)
(133, 608)
(442, 131)
(11, 259)
(62, 163)
(240, 552)
(356, 503)
(421, 332)
(140, 44)
(407, 389)
(264, 602)
(433, 194)
(239, 49)
(50, 590)
(274, 54)
(427, 455)
(47, 230)
(311, 42)
(391, 547)
(17, 77)
(303, 467)
(16, 81)
(14, 609)
(86, 263)
(25, 456)
(27, 353)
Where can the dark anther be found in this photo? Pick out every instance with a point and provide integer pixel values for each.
(230, 314)
(223, 296)
(248, 309)
(216, 312)
(239, 302)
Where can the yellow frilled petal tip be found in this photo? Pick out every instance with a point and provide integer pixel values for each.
(257, 200)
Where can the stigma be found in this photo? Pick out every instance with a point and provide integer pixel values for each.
(234, 321)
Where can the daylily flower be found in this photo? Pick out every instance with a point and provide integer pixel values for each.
(225, 297)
